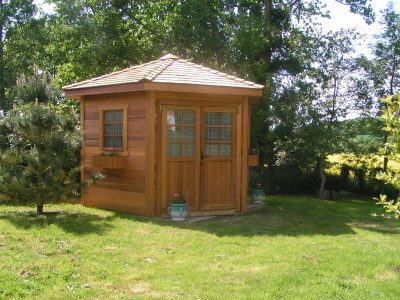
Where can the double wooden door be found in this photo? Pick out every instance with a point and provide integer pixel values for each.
(199, 156)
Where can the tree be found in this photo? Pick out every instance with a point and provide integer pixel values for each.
(40, 157)
(39, 87)
(386, 71)
(390, 115)
(382, 72)
(13, 14)
(42, 162)
(333, 79)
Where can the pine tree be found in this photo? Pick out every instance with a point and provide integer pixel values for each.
(41, 164)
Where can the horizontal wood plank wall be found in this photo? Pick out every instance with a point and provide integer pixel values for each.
(120, 190)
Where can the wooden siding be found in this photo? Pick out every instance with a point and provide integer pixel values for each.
(125, 189)
(144, 186)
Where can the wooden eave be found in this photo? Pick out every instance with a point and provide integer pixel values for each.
(76, 93)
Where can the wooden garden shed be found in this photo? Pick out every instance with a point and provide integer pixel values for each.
(164, 127)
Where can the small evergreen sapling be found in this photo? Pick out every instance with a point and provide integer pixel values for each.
(42, 163)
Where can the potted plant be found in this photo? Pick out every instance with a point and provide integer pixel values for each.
(178, 208)
(253, 158)
(258, 194)
(111, 160)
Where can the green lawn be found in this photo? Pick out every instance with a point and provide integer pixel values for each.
(298, 247)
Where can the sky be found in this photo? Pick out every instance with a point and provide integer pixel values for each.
(341, 17)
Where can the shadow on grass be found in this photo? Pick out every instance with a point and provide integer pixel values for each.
(283, 216)
(292, 216)
(78, 223)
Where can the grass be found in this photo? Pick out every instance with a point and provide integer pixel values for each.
(297, 248)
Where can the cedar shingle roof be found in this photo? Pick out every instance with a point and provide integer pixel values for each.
(167, 69)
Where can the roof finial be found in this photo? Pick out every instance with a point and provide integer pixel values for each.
(169, 56)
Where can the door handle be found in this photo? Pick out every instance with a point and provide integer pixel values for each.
(202, 156)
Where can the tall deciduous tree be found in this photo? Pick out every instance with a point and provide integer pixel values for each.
(13, 13)
(387, 54)
(381, 76)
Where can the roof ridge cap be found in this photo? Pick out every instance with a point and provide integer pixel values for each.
(165, 63)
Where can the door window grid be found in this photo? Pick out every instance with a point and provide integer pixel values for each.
(113, 129)
(218, 133)
(181, 133)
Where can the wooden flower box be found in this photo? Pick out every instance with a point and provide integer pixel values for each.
(109, 162)
(253, 160)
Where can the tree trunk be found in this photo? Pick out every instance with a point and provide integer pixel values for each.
(39, 209)
(268, 84)
(322, 176)
(218, 41)
(385, 165)
(2, 81)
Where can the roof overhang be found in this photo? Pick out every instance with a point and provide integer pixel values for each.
(167, 87)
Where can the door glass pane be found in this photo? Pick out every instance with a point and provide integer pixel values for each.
(187, 149)
(188, 133)
(174, 149)
(211, 134)
(174, 133)
(218, 133)
(211, 118)
(225, 149)
(172, 118)
(212, 149)
(225, 118)
(188, 117)
(226, 134)
(181, 132)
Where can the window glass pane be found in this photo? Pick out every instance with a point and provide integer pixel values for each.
(188, 117)
(225, 149)
(225, 118)
(188, 133)
(211, 134)
(187, 149)
(174, 149)
(212, 149)
(226, 134)
(211, 118)
(118, 129)
(108, 116)
(118, 116)
(113, 129)
(108, 141)
(108, 129)
(118, 142)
